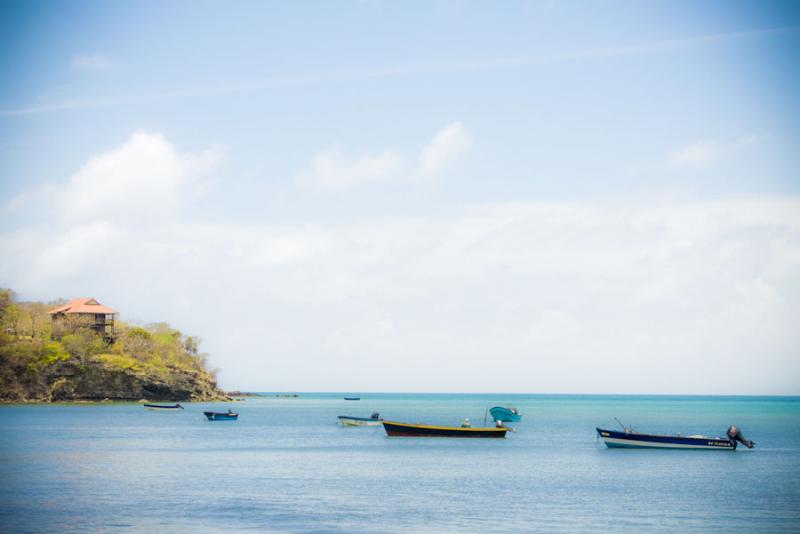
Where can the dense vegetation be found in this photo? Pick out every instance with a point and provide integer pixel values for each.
(155, 362)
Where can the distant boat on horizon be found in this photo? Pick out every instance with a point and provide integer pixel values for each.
(352, 398)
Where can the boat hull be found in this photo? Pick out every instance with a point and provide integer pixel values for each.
(345, 420)
(219, 416)
(163, 407)
(499, 413)
(394, 429)
(633, 440)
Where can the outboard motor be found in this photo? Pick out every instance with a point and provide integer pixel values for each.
(734, 434)
(375, 415)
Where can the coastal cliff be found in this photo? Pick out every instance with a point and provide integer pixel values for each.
(156, 363)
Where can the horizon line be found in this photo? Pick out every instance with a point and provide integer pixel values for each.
(346, 392)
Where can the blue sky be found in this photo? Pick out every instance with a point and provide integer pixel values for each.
(411, 186)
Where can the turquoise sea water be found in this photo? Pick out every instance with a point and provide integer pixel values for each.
(286, 466)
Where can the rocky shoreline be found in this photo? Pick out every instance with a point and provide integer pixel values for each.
(96, 382)
(238, 393)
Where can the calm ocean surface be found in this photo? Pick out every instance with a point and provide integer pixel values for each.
(286, 466)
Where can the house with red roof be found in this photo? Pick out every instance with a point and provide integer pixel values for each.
(84, 313)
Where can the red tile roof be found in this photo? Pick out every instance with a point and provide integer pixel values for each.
(84, 305)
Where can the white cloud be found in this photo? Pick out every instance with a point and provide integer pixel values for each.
(445, 148)
(91, 62)
(331, 170)
(144, 179)
(700, 153)
(706, 153)
(603, 296)
(77, 248)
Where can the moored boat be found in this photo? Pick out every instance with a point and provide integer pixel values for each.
(395, 429)
(349, 420)
(221, 416)
(165, 407)
(629, 438)
(507, 415)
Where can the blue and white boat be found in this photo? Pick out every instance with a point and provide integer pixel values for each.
(631, 439)
(507, 415)
(349, 420)
(222, 416)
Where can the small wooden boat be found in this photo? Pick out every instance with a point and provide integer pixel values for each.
(352, 398)
(348, 420)
(395, 429)
(507, 415)
(629, 438)
(166, 407)
(222, 416)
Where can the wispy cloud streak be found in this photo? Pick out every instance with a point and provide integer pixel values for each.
(582, 54)
(401, 71)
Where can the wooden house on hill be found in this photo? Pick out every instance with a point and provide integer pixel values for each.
(84, 313)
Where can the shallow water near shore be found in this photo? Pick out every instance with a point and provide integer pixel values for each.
(286, 466)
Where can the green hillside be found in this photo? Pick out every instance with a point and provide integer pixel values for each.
(156, 362)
